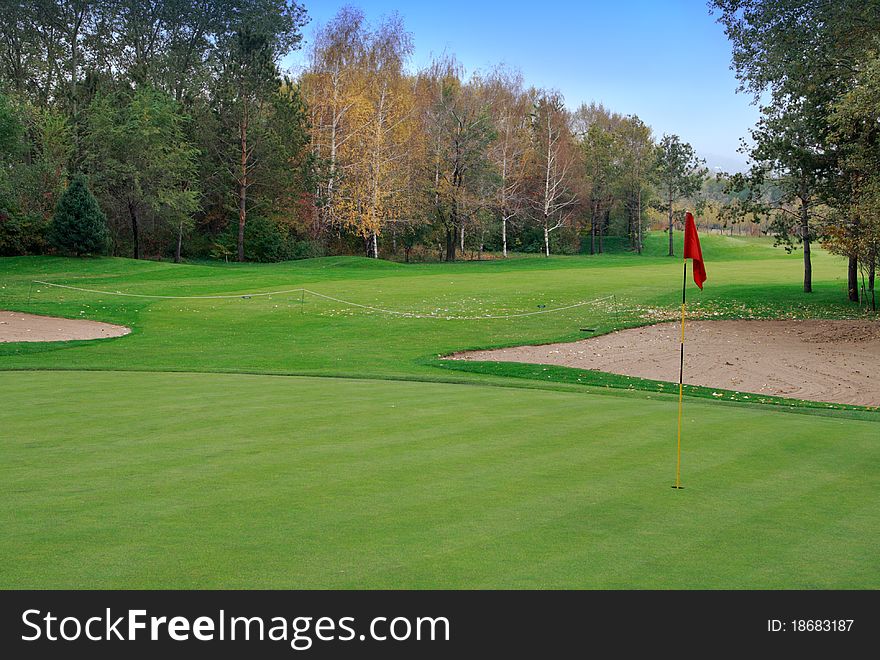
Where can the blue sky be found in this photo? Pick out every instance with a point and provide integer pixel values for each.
(666, 61)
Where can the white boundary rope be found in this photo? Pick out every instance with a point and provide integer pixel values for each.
(412, 315)
(142, 295)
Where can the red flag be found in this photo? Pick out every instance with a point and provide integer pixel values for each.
(692, 250)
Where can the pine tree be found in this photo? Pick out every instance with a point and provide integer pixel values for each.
(79, 226)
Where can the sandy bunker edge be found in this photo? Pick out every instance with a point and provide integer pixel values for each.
(833, 361)
(22, 327)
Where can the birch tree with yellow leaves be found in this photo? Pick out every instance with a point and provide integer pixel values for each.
(372, 192)
(510, 108)
(362, 121)
(332, 87)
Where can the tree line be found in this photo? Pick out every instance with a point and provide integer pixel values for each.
(814, 67)
(484, 161)
(177, 116)
(174, 111)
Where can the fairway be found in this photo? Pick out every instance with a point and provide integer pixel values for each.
(316, 336)
(338, 450)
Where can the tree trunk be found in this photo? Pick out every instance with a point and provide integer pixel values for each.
(461, 238)
(639, 221)
(547, 188)
(79, 16)
(504, 237)
(872, 272)
(671, 249)
(242, 188)
(331, 177)
(593, 213)
(631, 227)
(450, 244)
(179, 243)
(805, 237)
(452, 231)
(374, 210)
(808, 263)
(602, 230)
(242, 218)
(135, 233)
(853, 279)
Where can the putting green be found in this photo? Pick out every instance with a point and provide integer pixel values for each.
(203, 480)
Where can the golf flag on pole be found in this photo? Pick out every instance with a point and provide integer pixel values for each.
(692, 251)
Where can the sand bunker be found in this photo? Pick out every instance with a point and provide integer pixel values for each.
(15, 326)
(833, 361)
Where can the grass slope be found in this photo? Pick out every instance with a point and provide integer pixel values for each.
(277, 335)
(199, 480)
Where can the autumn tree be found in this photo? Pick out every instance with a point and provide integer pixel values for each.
(333, 86)
(359, 144)
(510, 108)
(459, 132)
(373, 189)
(555, 165)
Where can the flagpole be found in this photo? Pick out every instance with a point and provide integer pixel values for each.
(678, 485)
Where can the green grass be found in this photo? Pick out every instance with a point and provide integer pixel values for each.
(469, 475)
(197, 480)
(277, 335)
